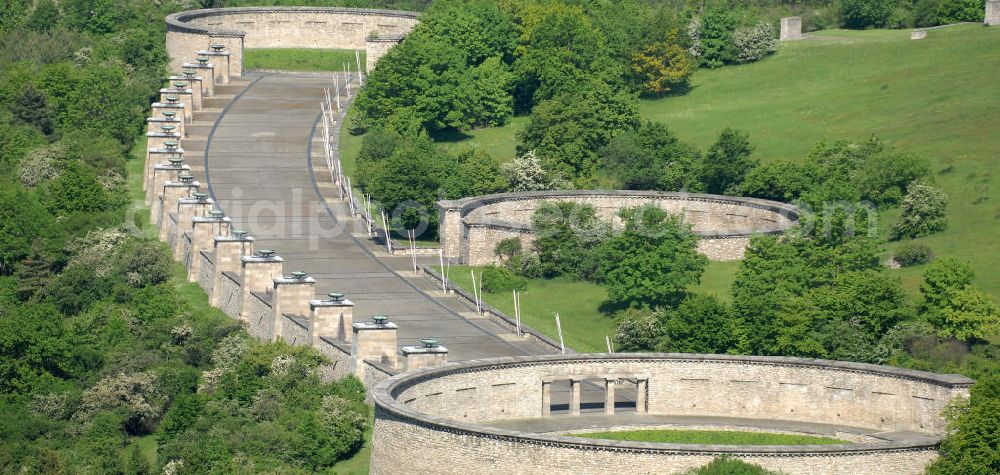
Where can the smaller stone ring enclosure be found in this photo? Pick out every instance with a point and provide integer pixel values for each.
(437, 420)
(470, 228)
(192, 32)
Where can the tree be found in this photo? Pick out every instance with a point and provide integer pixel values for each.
(755, 42)
(567, 131)
(954, 306)
(567, 234)
(923, 212)
(781, 180)
(954, 11)
(700, 324)
(45, 17)
(474, 173)
(663, 66)
(493, 83)
(652, 261)
(525, 173)
(76, 189)
(23, 222)
(969, 448)
(728, 162)
(714, 33)
(863, 14)
(31, 108)
(651, 157)
(506, 249)
(406, 183)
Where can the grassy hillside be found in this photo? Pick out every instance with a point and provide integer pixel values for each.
(938, 97)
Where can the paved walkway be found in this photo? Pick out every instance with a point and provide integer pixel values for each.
(260, 171)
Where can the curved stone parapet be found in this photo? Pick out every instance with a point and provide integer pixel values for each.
(470, 228)
(436, 420)
(192, 31)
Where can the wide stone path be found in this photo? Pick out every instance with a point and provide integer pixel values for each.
(265, 168)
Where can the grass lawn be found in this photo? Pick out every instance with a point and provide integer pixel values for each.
(717, 437)
(583, 308)
(301, 59)
(937, 98)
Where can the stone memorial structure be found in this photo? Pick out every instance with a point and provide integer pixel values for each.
(443, 419)
(235, 29)
(471, 228)
(992, 17)
(791, 28)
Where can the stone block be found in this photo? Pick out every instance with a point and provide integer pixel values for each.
(179, 96)
(219, 59)
(203, 230)
(161, 175)
(207, 71)
(173, 191)
(331, 318)
(992, 13)
(374, 340)
(188, 208)
(918, 34)
(257, 273)
(291, 297)
(228, 250)
(154, 157)
(194, 84)
(791, 28)
(417, 357)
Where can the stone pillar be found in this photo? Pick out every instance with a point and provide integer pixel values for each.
(161, 175)
(179, 96)
(233, 43)
(160, 137)
(546, 398)
(188, 208)
(331, 318)
(228, 253)
(160, 109)
(918, 34)
(258, 273)
(173, 191)
(207, 71)
(992, 13)
(203, 231)
(640, 396)
(291, 297)
(192, 84)
(374, 340)
(574, 397)
(430, 355)
(157, 123)
(159, 156)
(220, 58)
(791, 28)
(609, 396)
(375, 48)
(450, 229)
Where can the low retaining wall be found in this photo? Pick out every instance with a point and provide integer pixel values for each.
(375, 31)
(427, 420)
(471, 228)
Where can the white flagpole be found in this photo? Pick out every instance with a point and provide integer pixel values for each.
(480, 292)
(357, 57)
(413, 248)
(479, 309)
(562, 345)
(388, 240)
(350, 195)
(444, 282)
(607, 340)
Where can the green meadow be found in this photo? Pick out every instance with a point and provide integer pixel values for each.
(301, 59)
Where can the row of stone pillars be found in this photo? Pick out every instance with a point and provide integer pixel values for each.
(576, 382)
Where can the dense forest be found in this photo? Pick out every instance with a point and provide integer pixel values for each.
(109, 363)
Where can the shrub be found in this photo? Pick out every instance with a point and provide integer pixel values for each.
(862, 14)
(40, 164)
(923, 212)
(754, 43)
(507, 249)
(911, 254)
(500, 279)
(954, 11)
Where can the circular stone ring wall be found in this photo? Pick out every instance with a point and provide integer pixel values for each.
(436, 420)
(375, 31)
(471, 228)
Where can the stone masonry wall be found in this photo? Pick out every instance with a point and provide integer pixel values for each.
(229, 295)
(402, 447)
(340, 359)
(426, 421)
(280, 27)
(206, 273)
(259, 317)
(717, 387)
(294, 331)
(470, 229)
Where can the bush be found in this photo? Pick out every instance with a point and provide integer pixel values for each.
(923, 212)
(863, 14)
(500, 279)
(754, 43)
(911, 254)
(954, 11)
(507, 249)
